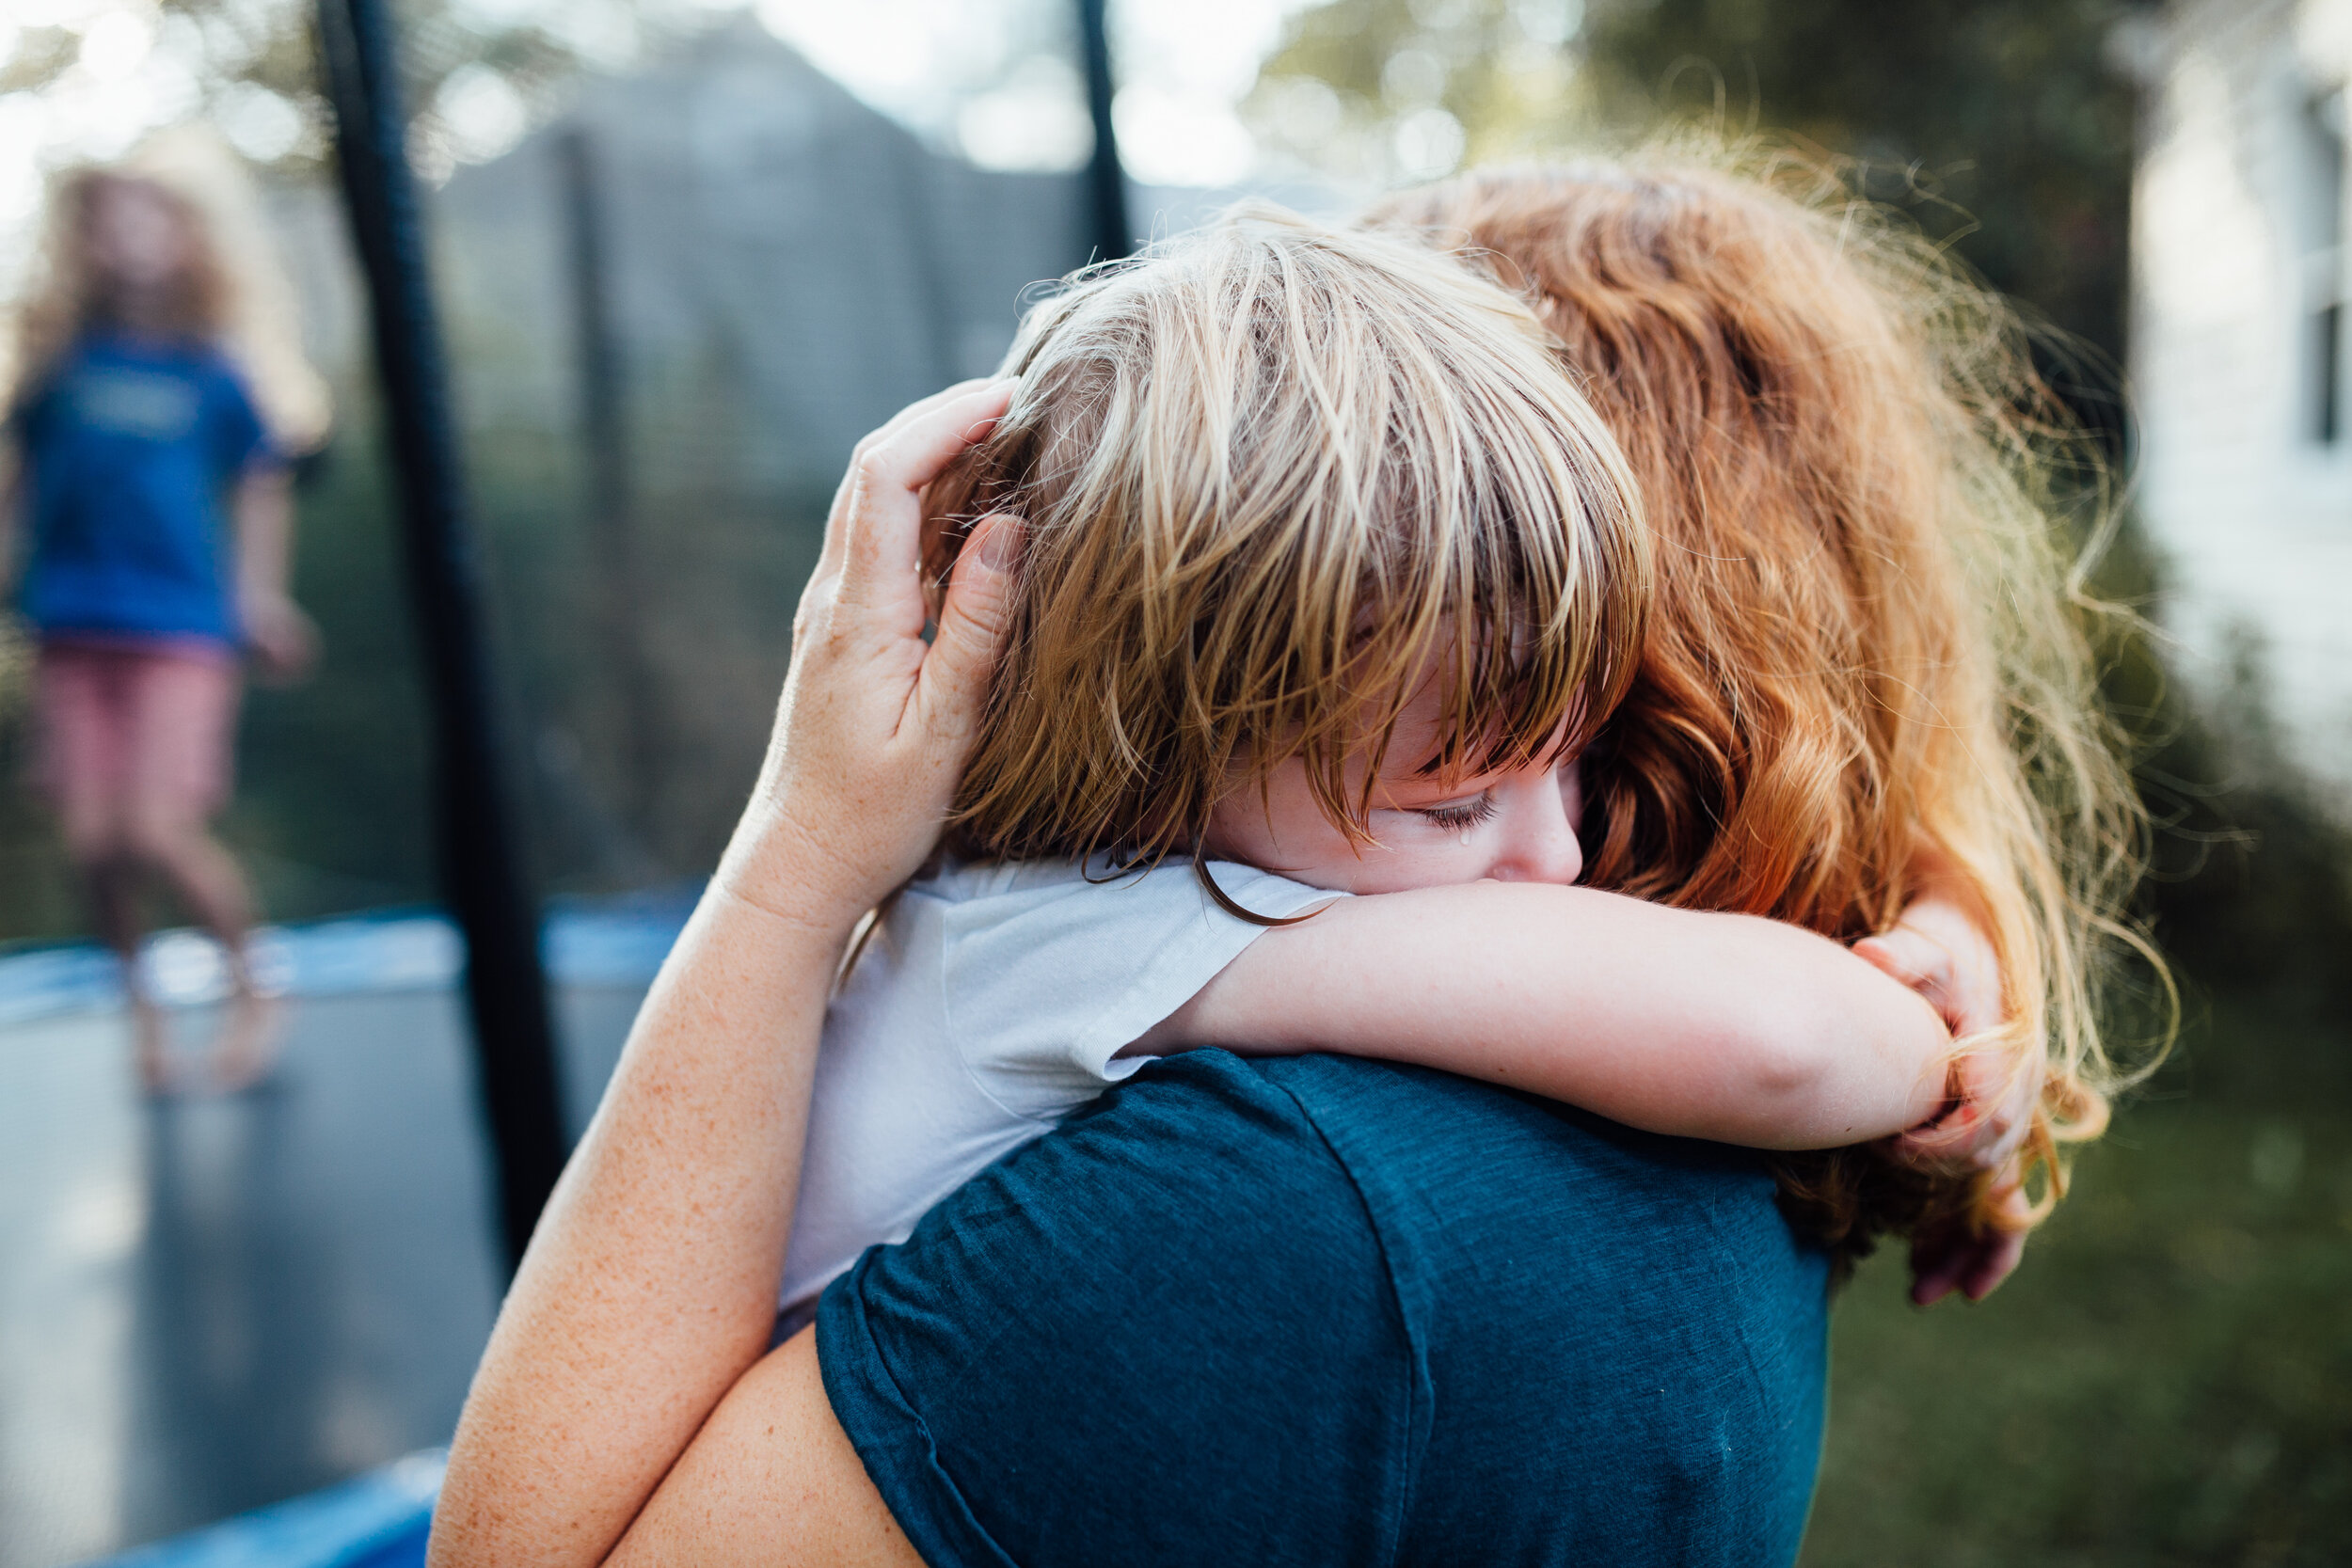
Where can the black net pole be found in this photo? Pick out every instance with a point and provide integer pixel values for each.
(1106, 182)
(604, 425)
(481, 864)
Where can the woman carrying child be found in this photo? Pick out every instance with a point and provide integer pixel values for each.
(1343, 650)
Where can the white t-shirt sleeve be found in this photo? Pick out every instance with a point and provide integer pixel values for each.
(1047, 976)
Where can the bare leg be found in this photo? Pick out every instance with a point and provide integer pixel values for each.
(84, 714)
(246, 1050)
(114, 892)
(183, 712)
(112, 879)
(209, 880)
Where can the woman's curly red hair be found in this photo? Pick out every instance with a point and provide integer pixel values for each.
(1868, 661)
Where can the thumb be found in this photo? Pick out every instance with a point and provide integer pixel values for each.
(952, 687)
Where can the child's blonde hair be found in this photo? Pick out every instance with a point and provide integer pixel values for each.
(1274, 476)
(232, 295)
(1867, 654)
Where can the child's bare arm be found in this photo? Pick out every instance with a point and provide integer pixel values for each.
(1718, 1027)
(283, 639)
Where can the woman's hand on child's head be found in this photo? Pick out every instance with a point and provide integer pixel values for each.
(874, 724)
(281, 639)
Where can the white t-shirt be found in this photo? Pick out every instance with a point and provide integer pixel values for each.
(990, 1003)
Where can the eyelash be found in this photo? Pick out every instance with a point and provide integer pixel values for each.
(1461, 817)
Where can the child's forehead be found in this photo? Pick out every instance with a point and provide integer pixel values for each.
(1427, 742)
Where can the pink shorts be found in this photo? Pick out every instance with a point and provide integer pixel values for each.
(138, 719)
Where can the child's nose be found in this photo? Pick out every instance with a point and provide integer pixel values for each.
(1541, 846)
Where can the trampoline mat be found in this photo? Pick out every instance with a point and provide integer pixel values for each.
(210, 1306)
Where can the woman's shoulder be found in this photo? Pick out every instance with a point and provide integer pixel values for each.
(1328, 1269)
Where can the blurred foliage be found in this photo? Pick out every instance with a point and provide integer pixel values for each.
(2250, 884)
(331, 811)
(334, 810)
(2167, 1381)
(1365, 89)
(2003, 125)
(37, 894)
(243, 53)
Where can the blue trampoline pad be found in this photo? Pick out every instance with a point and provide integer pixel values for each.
(606, 941)
(378, 1520)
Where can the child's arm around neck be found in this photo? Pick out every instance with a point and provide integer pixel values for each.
(1728, 1027)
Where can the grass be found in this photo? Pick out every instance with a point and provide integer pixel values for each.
(2167, 1379)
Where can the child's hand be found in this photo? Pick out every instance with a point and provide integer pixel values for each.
(1939, 950)
(1973, 1252)
(283, 641)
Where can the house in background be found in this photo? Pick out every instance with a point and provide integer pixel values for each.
(2239, 351)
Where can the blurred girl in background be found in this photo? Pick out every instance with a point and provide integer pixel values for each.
(147, 463)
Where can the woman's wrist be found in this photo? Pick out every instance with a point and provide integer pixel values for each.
(779, 868)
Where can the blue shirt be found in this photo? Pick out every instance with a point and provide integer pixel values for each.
(130, 448)
(1317, 1310)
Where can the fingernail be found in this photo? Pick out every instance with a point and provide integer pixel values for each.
(998, 543)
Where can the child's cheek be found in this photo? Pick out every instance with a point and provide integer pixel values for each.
(1437, 857)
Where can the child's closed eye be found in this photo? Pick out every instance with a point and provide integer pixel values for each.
(1459, 814)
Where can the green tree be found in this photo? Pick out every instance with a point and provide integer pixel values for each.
(255, 68)
(2003, 125)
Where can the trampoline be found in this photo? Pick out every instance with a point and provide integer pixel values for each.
(379, 1520)
(210, 1306)
(228, 1309)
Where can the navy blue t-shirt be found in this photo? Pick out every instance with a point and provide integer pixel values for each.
(1323, 1310)
(130, 446)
